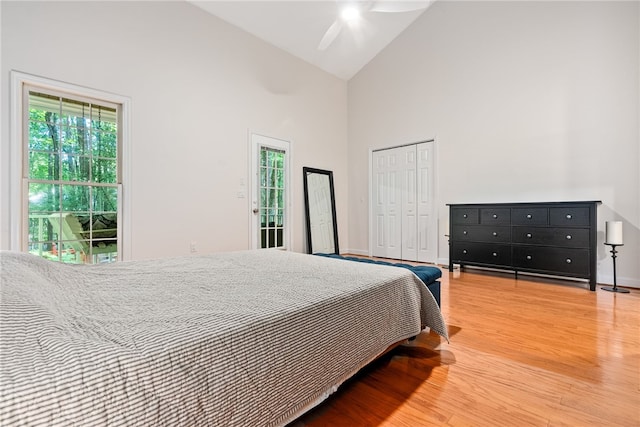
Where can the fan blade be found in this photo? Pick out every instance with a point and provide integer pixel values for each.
(399, 6)
(330, 35)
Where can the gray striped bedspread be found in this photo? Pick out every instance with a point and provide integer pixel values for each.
(251, 338)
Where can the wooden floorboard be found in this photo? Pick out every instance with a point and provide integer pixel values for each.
(527, 352)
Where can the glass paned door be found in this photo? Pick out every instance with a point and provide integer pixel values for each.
(271, 195)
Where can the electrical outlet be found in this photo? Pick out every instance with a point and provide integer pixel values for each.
(193, 247)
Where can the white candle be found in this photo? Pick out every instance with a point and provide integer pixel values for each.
(613, 231)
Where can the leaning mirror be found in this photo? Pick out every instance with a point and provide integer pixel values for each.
(320, 211)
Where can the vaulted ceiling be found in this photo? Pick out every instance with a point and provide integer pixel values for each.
(299, 27)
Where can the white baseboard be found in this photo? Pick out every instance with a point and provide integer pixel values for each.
(607, 279)
(355, 252)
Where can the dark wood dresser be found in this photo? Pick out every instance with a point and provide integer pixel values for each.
(554, 238)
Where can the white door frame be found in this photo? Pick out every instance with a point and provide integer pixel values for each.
(434, 237)
(257, 140)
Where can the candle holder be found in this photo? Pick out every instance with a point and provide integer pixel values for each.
(615, 287)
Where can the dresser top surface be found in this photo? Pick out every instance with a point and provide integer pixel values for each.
(524, 204)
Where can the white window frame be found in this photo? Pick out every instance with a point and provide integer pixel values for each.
(17, 208)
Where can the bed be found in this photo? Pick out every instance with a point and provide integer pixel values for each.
(239, 338)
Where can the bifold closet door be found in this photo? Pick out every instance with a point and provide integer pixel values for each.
(404, 225)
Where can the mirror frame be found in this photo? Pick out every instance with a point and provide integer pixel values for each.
(306, 171)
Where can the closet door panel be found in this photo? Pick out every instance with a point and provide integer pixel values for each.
(408, 171)
(387, 204)
(427, 225)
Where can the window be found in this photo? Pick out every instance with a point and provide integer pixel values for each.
(71, 170)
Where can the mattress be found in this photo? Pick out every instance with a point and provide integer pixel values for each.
(228, 339)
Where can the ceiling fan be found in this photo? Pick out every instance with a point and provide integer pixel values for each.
(352, 10)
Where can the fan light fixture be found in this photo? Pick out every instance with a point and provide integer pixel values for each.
(350, 13)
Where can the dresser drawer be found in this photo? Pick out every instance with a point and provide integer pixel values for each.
(464, 216)
(552, 236)
(481, 233)
(529, 216)
(578, 217)
(558, 260)
(483, 253)
(495, 216)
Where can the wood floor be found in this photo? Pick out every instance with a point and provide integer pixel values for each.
(523, 352)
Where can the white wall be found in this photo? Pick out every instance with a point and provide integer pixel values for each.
(197, 85)
(528, 101)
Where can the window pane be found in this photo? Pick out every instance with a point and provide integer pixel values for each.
(279, 160)
(104, 144)
(75, 140)
(105, 199)
(41, 137)
(75, 198)
(40, 229)
(71, 252)
(43, 165)
(263, 157)
(43, 198)
(263, 177)
(103, 118)
(280, 178)
(269, 201)
(263, 197)
(271, 178)
(43, 107)
(104, 228)
(104, 170)
(269, 158)
(75, 113)
(280, 200)
(75, 168)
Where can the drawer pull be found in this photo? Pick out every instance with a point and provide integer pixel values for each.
(529, 235)
(495, 234)
(569, 216)
(529, 257)
(568, 260)
(464, 251)
(568, 236)
(464, 216)
(495, 216)
(495, 254)
(465, 232)
(529, 216)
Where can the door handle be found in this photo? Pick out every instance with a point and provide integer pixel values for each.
(256, 210)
